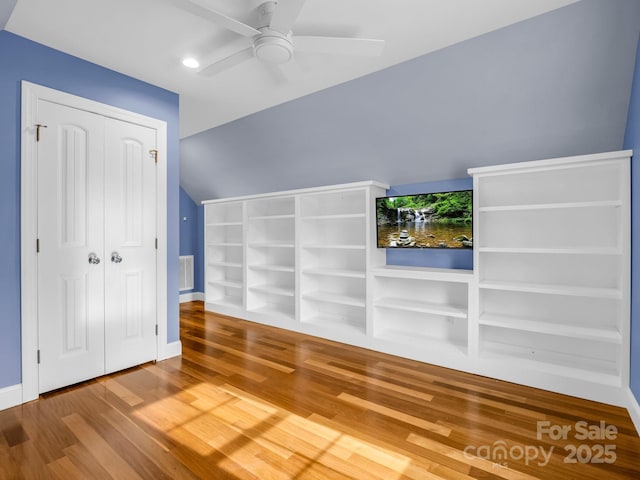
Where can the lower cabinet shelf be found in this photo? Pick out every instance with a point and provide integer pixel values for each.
(606, 335)
(328, 297)
(275, 309)
(226, 301)
(338, 324)
(553, 363)
(430, 345)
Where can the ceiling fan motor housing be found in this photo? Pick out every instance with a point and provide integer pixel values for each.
(273, 47)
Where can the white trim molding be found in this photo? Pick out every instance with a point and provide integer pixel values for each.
(31, 94)
(10, 396)
(192, 297)
(170, 350)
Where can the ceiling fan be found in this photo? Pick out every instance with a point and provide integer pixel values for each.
(272, 39)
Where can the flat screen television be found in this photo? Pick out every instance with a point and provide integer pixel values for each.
(427, 220)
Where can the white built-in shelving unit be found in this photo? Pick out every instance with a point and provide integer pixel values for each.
(295, 259)
(552, 269)
(224, 254)
(270, 255)
(333, 258)
(546, 305)
(424, 312)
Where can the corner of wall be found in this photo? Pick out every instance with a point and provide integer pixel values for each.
(170, 350)
(192, 297)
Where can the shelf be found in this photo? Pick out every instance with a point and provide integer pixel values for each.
(340, 216)
(272, 268)
(266, 288)
(225, 283)
(227, 301)
(554, 251)
(224, 224)
(423, 273)
(272, 217)
(547, 206)
(270, 245)
(554, 363)
(426, 343)
(567, 290)
(275, 309)
(339, 324)
(605, 335)
(421, 307)
(224, 244)
(327, 297)
(225, 264)
(334, 247)
(334, 272)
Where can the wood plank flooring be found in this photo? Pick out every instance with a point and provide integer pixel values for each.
(247, 401)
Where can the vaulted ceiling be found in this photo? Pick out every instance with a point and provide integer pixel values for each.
(147, 39)
(555, 85)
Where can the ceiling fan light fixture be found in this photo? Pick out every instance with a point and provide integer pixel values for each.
(274, 49)
(190, 62)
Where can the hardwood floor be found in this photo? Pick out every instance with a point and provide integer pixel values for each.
(247, 401)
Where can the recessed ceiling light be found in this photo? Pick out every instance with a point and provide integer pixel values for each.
(191, 62)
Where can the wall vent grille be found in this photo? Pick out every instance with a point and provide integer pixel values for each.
(186, 272)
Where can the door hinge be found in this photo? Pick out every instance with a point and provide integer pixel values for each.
(37, 245)
(156, 243)
(154, 154)
(38, 127)
(156, 329)
(38, 356)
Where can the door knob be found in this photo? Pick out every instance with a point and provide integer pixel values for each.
(94, 259)
(115, 257)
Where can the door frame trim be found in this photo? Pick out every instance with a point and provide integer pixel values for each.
(31, 94)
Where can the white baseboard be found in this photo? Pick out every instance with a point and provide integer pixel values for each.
(634, 411)
(10, 396)
(190, 297)
(170, 350)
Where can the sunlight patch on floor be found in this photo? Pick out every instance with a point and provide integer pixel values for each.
(261, 438)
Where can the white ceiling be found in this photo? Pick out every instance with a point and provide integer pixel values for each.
(147, 39)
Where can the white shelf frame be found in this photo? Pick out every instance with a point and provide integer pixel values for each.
(384, 305)
(600, 379)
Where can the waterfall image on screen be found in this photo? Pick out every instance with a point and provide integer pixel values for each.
(428, 220)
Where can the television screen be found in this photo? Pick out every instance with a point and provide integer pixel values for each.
(428, 220)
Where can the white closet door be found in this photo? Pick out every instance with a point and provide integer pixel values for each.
(96, 199)
(70, 229)
(130, 236)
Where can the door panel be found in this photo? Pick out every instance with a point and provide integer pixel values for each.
(71, 291)
(96, 195)
(130, 222)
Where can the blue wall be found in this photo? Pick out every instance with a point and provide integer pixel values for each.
(192, 237)
(632, 140)
(431, 257)
(22, 59)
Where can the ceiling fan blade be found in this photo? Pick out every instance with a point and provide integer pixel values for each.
(338, 45)
(201, 9)
(227, 63)
(285, 15)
